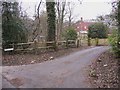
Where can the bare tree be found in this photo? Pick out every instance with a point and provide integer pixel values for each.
(37, 27)
(80, 1)
(60, 8)
(70, 11)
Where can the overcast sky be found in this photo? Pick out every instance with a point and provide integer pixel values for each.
(89, 9)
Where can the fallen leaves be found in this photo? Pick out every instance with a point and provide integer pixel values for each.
(93, 73)
(106, 69)
(31, 58)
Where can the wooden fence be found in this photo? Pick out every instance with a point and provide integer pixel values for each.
(50, 45)
(40, 45)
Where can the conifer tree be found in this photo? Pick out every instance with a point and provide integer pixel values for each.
(13, 30)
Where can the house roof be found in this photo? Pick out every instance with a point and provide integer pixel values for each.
(82, 25)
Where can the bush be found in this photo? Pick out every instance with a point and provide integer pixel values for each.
(97, 31)
(113, 40)
(70, 34)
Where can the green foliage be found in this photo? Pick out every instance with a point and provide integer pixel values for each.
(70, 34)
(97, 30)
(113, 39)
(13, 28)
(118, 40)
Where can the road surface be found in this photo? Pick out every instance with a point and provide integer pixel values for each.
(64, 72)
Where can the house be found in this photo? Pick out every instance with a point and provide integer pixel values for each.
(82, 26)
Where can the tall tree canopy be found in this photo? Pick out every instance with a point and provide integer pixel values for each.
(97, 30)
(13, 28)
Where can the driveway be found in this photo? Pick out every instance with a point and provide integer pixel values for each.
(64, 72)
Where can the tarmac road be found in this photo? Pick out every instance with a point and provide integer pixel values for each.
(64, 72)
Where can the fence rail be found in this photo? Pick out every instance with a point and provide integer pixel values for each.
(50, 45)
(38, 45)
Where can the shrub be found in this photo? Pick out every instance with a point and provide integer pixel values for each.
(113, 40)
(70, 34)
(97, 31)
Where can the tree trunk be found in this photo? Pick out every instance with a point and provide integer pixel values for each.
(51, 29)
(78, 42)
(61, 15)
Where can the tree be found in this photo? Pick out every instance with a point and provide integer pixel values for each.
(97, 31)
(70, 34)
(39, 27)
(70, 13)
(60, 8)
(36, 22)
(51, 17)
(28, 23)
(14, 30)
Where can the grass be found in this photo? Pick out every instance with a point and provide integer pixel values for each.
(103, 42)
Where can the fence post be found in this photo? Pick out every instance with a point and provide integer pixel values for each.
(66, 43)
(55, 45)
(97, 41)
(35, 46)
(13, 45)
(89, 44)
(78, 43)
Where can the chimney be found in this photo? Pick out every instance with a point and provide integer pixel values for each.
(81, 18)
